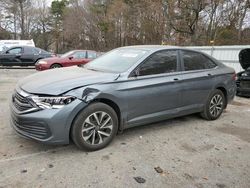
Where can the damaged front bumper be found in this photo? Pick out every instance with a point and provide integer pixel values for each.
(50, 126)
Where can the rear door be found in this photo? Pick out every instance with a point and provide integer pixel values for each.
(91, 55)
(29, 56)
(153, 88)
(197, 77)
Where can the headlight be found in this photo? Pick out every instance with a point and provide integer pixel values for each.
(42, 62)
(52, 102)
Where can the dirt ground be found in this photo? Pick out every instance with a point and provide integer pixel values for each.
(189, 151)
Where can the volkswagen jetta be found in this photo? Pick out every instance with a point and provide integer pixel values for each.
(126, 87)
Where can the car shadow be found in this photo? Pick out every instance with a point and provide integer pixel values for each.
(33, 146)
(15, 67)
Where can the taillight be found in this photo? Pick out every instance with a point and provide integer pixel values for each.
(234, 76)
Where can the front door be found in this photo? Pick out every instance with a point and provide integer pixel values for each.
(153, 91)
(78, 58)
(12, 57)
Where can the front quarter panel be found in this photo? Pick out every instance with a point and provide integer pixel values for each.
(109, 91)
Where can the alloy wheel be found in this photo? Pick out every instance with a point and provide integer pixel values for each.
(55, 66)
(216, 105)
(97, 127)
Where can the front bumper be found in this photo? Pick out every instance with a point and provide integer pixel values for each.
(49, 126)
(41, 67)
(243, 88)
(244, 92)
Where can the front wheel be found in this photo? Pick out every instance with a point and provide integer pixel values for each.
(94, 127)
(55, 66)
(215, 105)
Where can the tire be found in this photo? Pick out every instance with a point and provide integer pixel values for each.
(91, 134)
(56, 65)
(214, 106)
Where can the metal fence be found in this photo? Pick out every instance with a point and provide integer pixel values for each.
(229, 55)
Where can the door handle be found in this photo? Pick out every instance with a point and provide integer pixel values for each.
(175, 79)
(209, 74)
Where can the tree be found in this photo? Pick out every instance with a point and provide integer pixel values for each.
(184, 17)
(57, 12)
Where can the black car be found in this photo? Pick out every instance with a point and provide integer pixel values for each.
(22, 56)
(243, 78)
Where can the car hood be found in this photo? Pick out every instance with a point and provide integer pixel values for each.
(244, 58)
(61, 80)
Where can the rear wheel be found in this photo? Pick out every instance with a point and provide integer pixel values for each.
(56, 65)
(214, 106)
(94, 127)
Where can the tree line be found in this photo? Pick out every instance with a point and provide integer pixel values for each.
(105, 24)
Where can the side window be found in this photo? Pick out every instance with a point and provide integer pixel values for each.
(30, 50)
(91, 55)
(14, 51)
(79, 55)
(35, 50)
(196, 61)
(158, 63)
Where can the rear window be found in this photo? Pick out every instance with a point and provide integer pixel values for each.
(196, 61)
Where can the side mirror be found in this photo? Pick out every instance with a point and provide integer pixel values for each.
(71, 57)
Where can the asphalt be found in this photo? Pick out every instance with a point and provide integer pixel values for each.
(183, 152)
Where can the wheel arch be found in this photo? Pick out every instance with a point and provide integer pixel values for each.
(55, 64)
(113, 105)
(106, 101)
(38, 59)
(224, 91)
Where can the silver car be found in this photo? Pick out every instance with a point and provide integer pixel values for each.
(123, 88)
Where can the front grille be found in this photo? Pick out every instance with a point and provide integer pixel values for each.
(245, 84)
(21, 103)
(31, 128)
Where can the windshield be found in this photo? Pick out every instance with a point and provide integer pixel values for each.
(67, 54)
(119, 60)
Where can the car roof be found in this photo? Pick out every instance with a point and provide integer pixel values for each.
(22, 46)
(152, 47)
(19, 46)
(81, 50)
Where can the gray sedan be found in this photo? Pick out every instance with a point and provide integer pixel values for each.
(123, 88)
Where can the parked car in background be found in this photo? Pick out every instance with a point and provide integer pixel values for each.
(75, 57)
(126, 87)
(22, 56)
(243, 78)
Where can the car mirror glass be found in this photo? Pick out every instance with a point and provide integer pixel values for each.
(71, 57)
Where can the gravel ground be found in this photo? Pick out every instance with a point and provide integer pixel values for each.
(188, 151)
